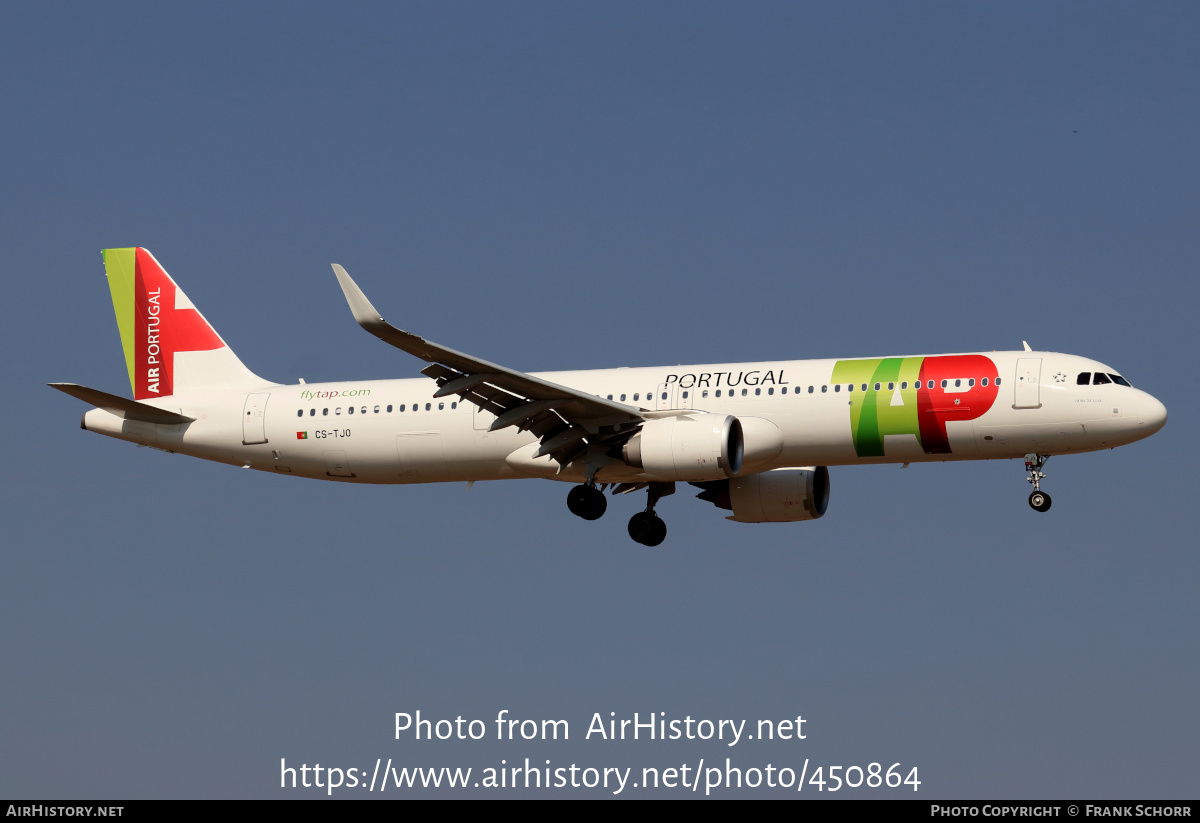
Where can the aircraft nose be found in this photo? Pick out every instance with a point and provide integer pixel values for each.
(1152, 415)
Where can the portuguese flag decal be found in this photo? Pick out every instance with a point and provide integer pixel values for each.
(301, 435)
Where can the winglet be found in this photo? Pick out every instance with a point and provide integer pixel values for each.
(364, 313)
(370, 319)
(1023, 343)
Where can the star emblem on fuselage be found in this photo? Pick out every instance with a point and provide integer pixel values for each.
(1060, 378)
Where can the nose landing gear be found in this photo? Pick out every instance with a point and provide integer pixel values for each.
(1038, 499)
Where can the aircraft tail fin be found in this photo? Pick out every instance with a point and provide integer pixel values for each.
(169, 347)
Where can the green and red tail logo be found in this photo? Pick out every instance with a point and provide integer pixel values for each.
(156, 320)
(916, 395)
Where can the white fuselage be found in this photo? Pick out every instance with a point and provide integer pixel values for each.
(395, 431)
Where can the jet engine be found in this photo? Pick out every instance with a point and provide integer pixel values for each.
(776, 496)
(691, 447)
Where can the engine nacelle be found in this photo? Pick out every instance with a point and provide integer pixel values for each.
(776, 496)
(763, 441)
(688, 447)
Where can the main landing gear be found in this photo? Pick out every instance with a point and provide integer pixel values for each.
(1038, 499)
(587, 501)
(645, 527)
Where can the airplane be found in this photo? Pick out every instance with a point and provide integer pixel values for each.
(756, 438)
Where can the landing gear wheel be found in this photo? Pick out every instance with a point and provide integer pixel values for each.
(1039, 500)
(659, 532)
(647, 528)
(587, 502)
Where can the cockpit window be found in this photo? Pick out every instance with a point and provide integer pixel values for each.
(1100, 378)
(1084, 379)
(1119, 380)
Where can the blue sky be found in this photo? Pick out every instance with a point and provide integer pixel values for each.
(555, 186)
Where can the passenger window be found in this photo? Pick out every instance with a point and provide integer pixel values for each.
(718, 392)
(904, 385)
(377, 410)
(837, 387)
(957, 384)
(312, 412)
(664, 397)
(350, 410)
(364, 410)
(810, 390)
(745, 392)
(997, 381)
(757, 392)
(636, 395)
(389, 409)
(441, 406)
(971, 382)
(401, 407)
(876, 387)
(891, 386)
(704, 393)
(983, 382)
(622, 398)
(338, 410)
(300, 413)
(454, 405)
(851, 387)
(324, 412)
(944, 382)
(610, 397)
(685, 394)
(1084, 379)
(1100, 379)
(428, 406)
(824, 389)
(770, 391)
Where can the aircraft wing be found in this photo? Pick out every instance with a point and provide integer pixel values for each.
(564, 419)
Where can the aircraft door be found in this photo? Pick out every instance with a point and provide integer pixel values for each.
(336, 465)
(254, 419)
(670, 396)
(421, 455)
(1027, 386)
(482, 419)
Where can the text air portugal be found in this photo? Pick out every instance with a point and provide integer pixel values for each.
(161, 329)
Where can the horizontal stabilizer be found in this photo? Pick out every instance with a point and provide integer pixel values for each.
(121, 407)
